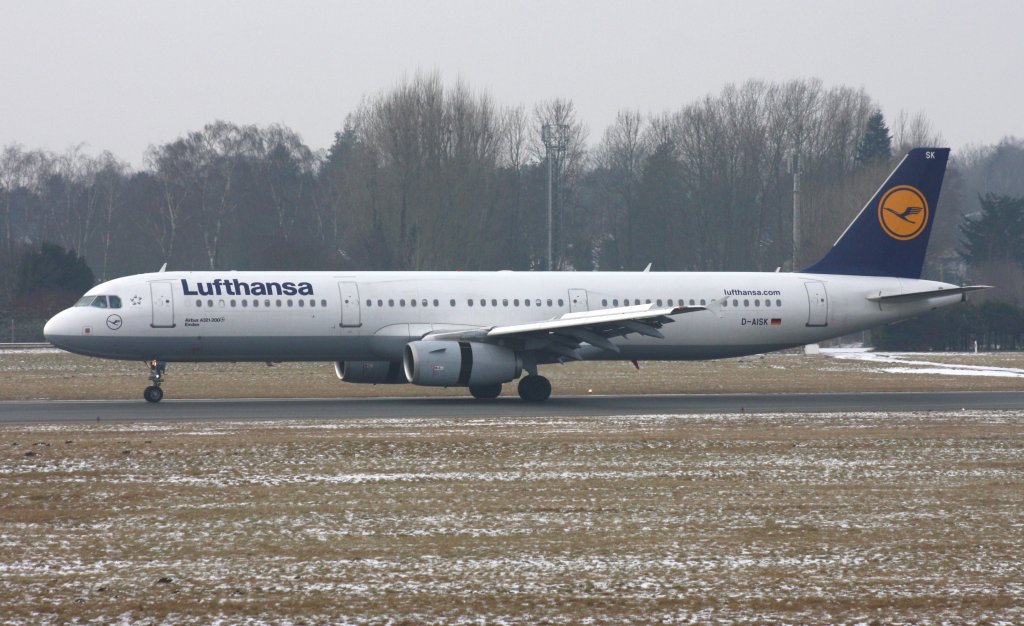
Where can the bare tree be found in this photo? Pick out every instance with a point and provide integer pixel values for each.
(621, 155)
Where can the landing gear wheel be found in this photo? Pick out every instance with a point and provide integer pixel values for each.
(153, 394)
(485, 392)
(535, 389)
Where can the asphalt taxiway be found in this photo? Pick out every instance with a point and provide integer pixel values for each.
(576, 406)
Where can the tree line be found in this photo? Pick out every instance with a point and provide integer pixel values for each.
(427, 175)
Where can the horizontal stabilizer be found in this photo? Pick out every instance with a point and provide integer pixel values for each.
(916, 296)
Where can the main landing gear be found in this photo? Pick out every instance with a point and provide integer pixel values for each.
(154, 393)
(534, 388)
(485, 392)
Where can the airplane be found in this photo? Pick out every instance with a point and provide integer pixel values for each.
(481, 330)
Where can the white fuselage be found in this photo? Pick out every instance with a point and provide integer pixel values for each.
(342, 316)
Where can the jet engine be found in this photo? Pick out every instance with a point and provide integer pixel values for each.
(459, 363)
(372, 372)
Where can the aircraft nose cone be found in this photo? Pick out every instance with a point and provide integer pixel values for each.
(56, 328)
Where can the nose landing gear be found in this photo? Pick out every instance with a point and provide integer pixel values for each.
(154, 393)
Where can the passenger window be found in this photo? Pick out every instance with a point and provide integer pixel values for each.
(255, 303)
(245, 303)
(323, 303)
(526, 302)
(659, 302)
(302, 303)
(380, 303)
(401, 302)
(290, 302)
(670, 302)
(199, 303)
(604, 302)
(757, 303)
(210, 303)
(549, 302)
(470, 301)
(504, 302)
(778, 303)
(412, 303)
(561, 302)
(436, 303)
(703, 302)
(692, 302)
(234, 303)
(725, 302)
(266, 302)
(494, 302)
(452, 302)
(515, 302)
(735, 302)
(767, 302)
(278, 303)
(369, 302)
(746, 303)
(483, 301)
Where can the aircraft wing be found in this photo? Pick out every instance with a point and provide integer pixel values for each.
(562, 336)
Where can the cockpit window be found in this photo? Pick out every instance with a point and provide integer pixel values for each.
(100, 302)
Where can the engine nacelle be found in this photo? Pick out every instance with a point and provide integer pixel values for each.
(372, 372)
(459, 363)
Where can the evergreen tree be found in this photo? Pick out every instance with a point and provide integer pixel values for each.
(876, 144)
(54, 268)
(997, 235)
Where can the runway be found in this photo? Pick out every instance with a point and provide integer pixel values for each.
(575, 406)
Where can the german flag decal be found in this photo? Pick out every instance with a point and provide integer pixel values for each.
(776, 321)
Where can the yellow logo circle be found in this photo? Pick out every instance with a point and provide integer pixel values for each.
(903, 212)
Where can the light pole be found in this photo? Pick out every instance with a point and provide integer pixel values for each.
(555, 138)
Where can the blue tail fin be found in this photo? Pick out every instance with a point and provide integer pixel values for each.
(890, 235)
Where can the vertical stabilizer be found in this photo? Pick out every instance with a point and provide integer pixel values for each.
(890, 235)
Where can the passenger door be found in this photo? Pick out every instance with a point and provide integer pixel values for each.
(162, 294)
(817, 302)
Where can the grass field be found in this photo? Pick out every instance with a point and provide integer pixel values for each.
(860, 518)
(58, 375)
(825, 518)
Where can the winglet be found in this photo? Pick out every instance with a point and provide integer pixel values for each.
(889, 237)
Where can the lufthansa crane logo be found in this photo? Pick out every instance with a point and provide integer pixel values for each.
(903, 212)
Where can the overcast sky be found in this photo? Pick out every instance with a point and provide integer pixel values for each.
(122, 75)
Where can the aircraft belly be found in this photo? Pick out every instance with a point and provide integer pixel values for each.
(224, 348)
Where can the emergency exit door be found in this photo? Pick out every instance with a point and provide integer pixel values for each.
(578, 300)
(350, 314)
